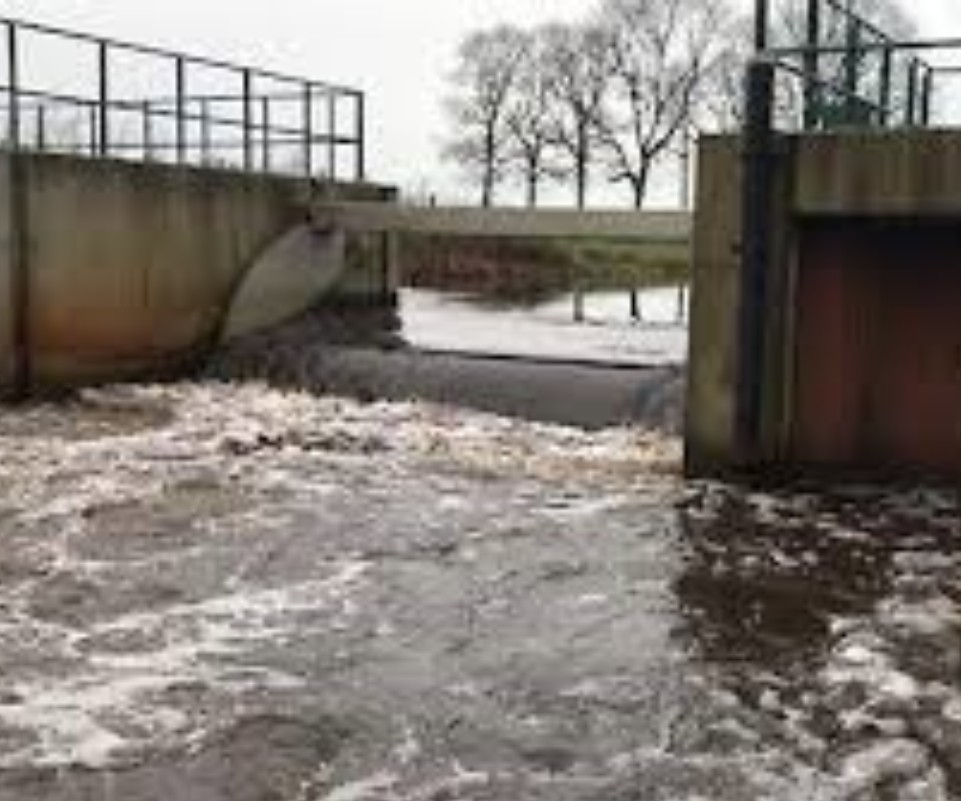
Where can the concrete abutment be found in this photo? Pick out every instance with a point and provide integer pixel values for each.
(120, 270)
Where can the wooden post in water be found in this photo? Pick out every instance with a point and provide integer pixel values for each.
(680, 309)
(634, 304)
(578, 300)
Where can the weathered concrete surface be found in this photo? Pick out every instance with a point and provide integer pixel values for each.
(644, 226)
(7, 255)
(132, 266)
(227, 593)
(710, 408)
(909, 173)
(366, 365)
(285, 280)
(880, 175)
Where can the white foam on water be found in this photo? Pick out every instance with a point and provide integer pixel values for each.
(111, 704)
(369, 788)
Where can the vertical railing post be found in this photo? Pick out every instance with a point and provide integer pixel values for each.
(760, 36)
(41, 128)
(360, 167)
(810, 65)
(103, 99)
(147, 133)
(850, 68)
(885, 87)
(13, 88)
(910, 92)
(17, 221)
(926, 96)
(205, 131)
(758, 164)
(93, 128)
(307, 113)
(331, 135)
(266, 129)
(180, 109)
(247, 118)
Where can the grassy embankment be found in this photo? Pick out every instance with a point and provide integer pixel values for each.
(501, 267)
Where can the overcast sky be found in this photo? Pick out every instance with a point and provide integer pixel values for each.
(398, 51)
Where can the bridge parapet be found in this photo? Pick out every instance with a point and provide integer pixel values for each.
(644, 226)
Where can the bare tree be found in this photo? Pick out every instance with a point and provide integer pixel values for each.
(528, 118)
(577, 61)
(487, 67)
(661, 53)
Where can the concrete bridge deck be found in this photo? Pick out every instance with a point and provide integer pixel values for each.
(648, 226)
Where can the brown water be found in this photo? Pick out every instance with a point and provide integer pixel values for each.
(228, 592)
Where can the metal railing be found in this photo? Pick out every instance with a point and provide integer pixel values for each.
(71, 92)
(838, 69)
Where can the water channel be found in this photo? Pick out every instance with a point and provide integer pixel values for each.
(222, 590)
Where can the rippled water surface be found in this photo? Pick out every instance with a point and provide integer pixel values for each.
(215, 591)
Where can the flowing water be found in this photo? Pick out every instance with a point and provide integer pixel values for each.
(225, 591)
(545, 326)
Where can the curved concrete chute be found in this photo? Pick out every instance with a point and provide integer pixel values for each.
(287, 278)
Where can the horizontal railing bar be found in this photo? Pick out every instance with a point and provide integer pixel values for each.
(922, 44)
(137, 107)
(213, 144)
(827, 84)
(213, 63)
(238, 97)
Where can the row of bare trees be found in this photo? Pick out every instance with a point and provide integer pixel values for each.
(606, 97)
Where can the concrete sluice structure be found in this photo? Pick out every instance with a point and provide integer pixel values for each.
(128, 270)
(853, 365)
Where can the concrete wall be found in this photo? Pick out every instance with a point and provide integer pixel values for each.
(7, 247)
(909, 175)
(132, 266)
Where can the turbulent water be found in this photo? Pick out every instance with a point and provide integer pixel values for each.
(222, 591)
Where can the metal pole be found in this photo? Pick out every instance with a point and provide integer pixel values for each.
(684, 168)
(147, 131)
(41, 124)
(92, 124)
(103, 111)
(910, 90)
(13, 89)
(810, 64)
(926, 99)
(850, 67)
(761, 25)
(307, 113)
(180, 101)
(204, 131)
(757, 196)
(18, 253)
(266, 127)
(360, 167)
(885, 87)
(331, 135)
(246, 117)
